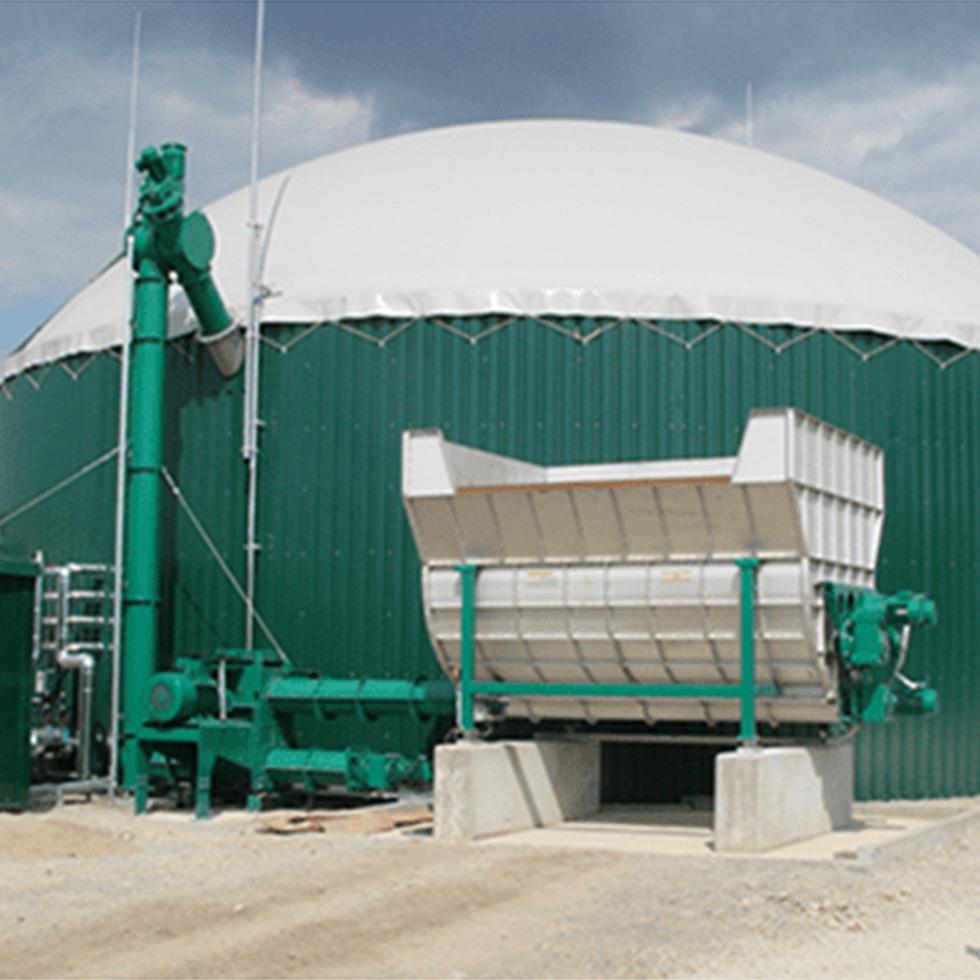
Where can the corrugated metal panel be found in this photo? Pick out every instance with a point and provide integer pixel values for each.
(52, 422)
(339, 579)
(203, 452)
(16, 681)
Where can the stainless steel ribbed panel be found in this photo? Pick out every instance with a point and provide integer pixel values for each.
(625, 573)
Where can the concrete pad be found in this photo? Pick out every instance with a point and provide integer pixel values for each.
(485, 788)
(766, 798)
(878, 831)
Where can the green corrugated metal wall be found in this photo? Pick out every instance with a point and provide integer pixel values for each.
(338, 573)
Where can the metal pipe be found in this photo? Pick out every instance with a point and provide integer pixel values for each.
(223, 689)
(84, 663)
(118, 552)
(250, 386)
(38, 634)
(86, 676)
(60, 790)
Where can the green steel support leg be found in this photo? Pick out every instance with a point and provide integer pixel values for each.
(747, 568)
(141, 794)
(467, 651)
(254, 802)
(202, 787)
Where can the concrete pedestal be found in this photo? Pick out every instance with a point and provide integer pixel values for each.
(765, 798)
(498, 787)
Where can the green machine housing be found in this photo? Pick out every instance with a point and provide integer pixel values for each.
(871, 633)
(232, 715)
(17, 583)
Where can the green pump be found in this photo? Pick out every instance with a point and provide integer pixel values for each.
(166, 244)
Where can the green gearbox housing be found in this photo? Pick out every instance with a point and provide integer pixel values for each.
(870, 632)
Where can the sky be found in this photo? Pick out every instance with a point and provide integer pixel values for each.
(884, 94)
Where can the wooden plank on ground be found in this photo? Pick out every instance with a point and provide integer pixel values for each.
(368, 820)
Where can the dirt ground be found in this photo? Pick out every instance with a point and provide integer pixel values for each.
(90, 891)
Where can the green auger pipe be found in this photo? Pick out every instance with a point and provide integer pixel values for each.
(165, 243)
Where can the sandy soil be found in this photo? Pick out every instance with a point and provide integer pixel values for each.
(89, 891)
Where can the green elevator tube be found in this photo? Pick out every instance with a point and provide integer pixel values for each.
(166, 243)
(143, 489)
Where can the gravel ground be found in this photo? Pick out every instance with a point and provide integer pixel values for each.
(89, 891)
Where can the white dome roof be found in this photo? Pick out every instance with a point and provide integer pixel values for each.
(567, 217)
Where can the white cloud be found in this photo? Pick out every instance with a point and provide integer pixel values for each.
(45, 235)
(64, 134)
(915, 141)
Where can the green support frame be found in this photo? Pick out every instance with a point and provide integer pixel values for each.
(468, 688)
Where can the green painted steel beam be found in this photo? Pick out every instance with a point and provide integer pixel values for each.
(683, 691)
(747, 570)
(467, 648)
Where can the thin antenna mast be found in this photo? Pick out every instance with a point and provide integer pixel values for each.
(748, 115)
(123, 434)
(250, 420)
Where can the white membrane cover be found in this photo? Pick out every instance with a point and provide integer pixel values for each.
(567, 217)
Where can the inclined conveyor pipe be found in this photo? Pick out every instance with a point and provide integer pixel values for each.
(367, 697)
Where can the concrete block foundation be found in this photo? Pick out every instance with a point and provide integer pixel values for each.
(765, 798)
(486, 788)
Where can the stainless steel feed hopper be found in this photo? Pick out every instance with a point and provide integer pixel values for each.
(625, 574)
